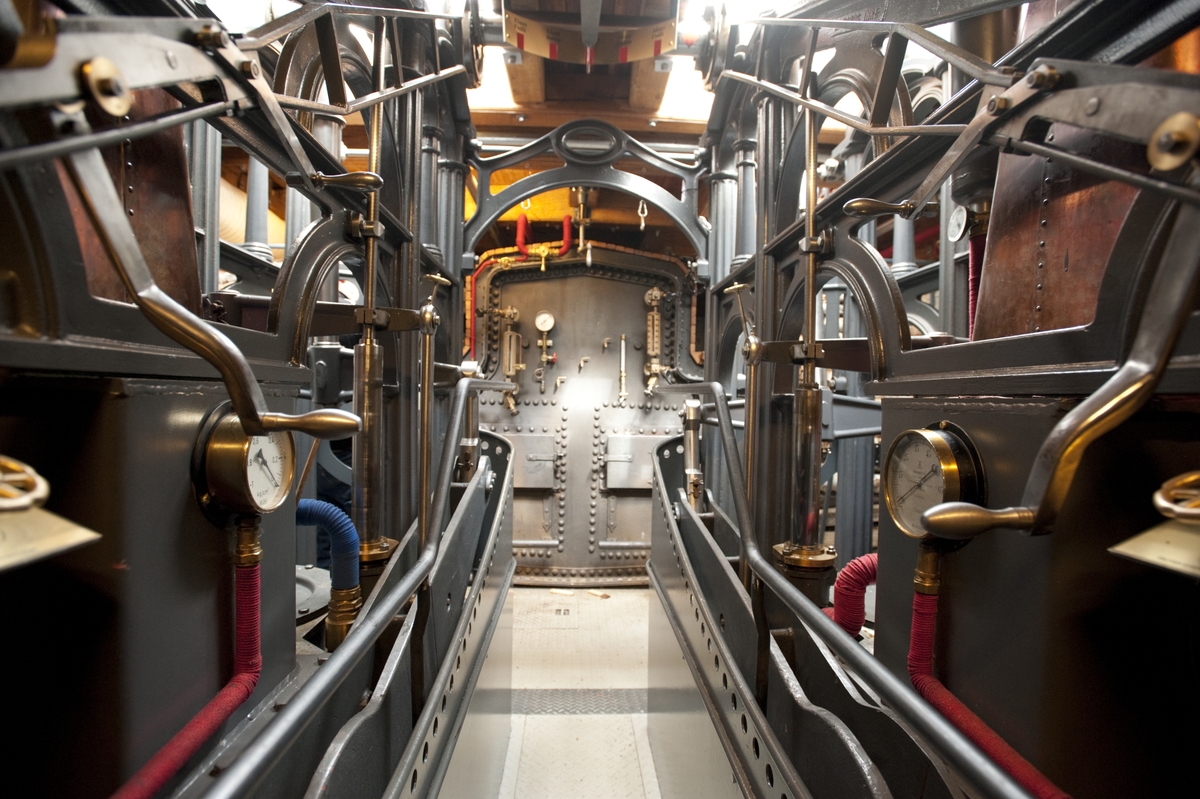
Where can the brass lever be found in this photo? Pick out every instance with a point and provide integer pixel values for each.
(866, 208)
(358, 181)
(963, 520)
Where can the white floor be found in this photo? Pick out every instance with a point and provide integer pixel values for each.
(579, 683)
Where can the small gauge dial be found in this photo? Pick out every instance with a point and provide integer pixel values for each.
(544, 321)
(269, 463)
(925, 468)
(247, 474)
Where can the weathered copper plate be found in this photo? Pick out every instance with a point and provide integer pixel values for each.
(151, 177)
(1052, 232)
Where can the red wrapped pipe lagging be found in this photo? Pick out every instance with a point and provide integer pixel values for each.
(849, 592)
(247, 664)
(974, 275)
(475, 276)
(920, 669)
(566, 240)
(522, 234)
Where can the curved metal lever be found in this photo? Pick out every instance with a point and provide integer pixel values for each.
(866, 208)
(357, 181)
(1167, 306)
(962, 520)
(91, 179)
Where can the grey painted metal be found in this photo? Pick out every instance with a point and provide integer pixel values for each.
(117, 454)
(688, 756)
(258, 195)
(978, 772)
(724, 210)
(477, 764)
(425, 764)
(204, 169)
(578, 441)
(366, 751)
(825, 755)
(747, 190)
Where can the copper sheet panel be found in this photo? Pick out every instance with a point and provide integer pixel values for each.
(1051, 234)
(151, 177)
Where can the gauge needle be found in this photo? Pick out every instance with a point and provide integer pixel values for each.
(262, 461)
(921, 482)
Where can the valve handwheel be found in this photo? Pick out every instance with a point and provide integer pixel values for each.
(21, 487)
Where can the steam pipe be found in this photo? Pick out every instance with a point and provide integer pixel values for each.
(247, 665)
(566, 236)
(522, 234)
(920, 670)
(981, 775)
(974, 275)
(849, 593)
(343, 550)
(266, 749)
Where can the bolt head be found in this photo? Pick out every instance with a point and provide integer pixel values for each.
(250, 67)
(1170, 140)
(112, 87)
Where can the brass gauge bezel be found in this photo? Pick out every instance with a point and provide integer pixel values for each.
(225, 468)
(540, 324)
(959, 464)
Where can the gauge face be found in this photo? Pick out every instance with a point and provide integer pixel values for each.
(922, 470)
(269, 467)
(544, 321)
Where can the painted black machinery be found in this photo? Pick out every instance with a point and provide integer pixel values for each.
(952, 355)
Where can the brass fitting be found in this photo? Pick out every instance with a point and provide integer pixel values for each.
(791, 556)
(248, 550)
(379, 549)
(344, 604)
(926, 579)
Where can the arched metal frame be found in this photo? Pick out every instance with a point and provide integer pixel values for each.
(852, 70)
(592, 169)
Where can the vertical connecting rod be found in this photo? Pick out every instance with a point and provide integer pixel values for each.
(807, 406)
(693, 475)
(428, 518)
(804, 557)
(368, 359)
(752, 353)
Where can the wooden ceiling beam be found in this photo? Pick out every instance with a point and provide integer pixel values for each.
(647, 86)
(527, 80)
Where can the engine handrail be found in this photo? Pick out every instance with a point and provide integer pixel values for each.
(265, 749)
(981, 775)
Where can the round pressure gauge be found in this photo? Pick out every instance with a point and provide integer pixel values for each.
(544, 321)
(960, 220)
(926, 467)
(250, 474)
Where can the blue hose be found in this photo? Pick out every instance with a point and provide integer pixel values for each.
(343, 561)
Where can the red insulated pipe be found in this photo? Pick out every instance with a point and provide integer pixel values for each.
(974, 273)
(920, 669)
(247, 664)
(475, 276)
(522, 233)
(849, 608)
(566, 241)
